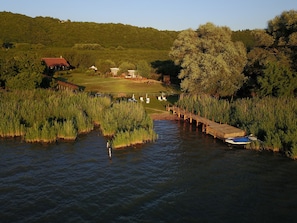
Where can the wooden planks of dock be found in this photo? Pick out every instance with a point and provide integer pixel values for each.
(217, 130)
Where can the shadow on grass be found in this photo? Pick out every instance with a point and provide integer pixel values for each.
(171, 99)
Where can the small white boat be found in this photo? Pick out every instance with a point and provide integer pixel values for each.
(240, 140)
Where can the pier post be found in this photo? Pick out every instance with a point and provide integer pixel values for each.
(217, 130)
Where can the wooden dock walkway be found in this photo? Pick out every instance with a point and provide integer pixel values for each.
(217, 130)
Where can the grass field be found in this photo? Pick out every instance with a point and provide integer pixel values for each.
(121, 87)
(156, 106)
(96, 83)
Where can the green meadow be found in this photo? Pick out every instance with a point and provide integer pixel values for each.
(91, 82)
(125, 88)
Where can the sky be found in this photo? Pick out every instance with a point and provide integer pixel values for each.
(173, 15)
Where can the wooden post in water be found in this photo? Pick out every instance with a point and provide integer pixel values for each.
(197, 122)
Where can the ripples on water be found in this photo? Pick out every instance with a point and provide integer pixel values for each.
(185, 176)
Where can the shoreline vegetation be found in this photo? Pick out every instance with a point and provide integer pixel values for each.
(47, 116)
(272, 120)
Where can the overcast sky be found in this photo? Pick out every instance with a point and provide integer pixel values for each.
(159, 14)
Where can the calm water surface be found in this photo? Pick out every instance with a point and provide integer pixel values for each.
(185, 176)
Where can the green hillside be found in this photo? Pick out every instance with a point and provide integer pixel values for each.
(17, 28)
(52, 32)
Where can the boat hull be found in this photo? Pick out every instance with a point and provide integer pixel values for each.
(238, 141)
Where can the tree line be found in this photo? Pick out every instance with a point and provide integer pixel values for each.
(214, 63)
(211, 59)
(26, 40)
(22, 69)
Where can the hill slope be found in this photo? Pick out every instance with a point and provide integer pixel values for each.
(53, 32)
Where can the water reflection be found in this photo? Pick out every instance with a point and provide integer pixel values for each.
(185, 176)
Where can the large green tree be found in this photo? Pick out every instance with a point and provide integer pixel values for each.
(284, 27)
(24, 81)
(143, 68)
(277, 80)
(105, 65)
(272, 63)
(211, 62)
(21, 71)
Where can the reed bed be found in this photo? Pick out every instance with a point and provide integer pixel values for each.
(272, 120)
(47, 116)
(137, 136)
(207, 107)
(127, 123)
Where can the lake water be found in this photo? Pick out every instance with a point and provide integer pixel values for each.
(185, 176)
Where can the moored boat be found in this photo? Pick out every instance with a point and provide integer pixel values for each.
(240, 140)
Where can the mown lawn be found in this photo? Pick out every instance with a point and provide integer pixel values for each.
(115, 85)
(156, 106)
(120, 87)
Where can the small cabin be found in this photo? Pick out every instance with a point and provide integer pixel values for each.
(131, 74)
(114, 71)
(55, 64)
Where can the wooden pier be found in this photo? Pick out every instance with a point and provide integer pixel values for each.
(217, 130)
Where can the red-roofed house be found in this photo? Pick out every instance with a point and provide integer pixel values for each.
(55, 64)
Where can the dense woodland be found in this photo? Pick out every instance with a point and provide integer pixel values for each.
(228, 66)
(52, 32)
(220, 63)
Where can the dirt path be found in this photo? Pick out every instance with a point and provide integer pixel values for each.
(162, 115)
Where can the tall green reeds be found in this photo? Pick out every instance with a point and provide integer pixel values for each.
(136, 136)
(272, 120)
(45, 115)
(206, 106)
(128, 124)
(66, 130)
(41, 133)
(11, 123)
